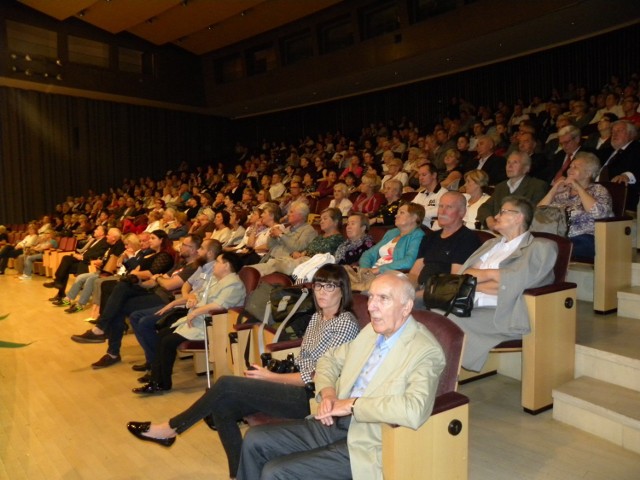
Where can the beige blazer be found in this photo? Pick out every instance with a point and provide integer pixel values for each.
(402, 392)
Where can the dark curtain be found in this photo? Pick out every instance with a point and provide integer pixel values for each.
(53, 146)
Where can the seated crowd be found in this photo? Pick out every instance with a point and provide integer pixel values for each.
(165, 253)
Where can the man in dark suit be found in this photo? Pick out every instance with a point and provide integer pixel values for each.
(527, 144)
(623, 165)
(486, 160)
(600, 142)
(79, 261)
(569, 139)
(518, 183)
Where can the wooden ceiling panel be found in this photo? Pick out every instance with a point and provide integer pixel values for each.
(197, 15)
(184, 22)
(262, 18)
(59, 9)
(117, 16)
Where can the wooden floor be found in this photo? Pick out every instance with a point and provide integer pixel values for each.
(59, 419)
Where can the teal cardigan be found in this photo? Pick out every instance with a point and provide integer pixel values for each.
(404, 255)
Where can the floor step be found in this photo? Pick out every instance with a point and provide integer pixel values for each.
(635, 274)
(582, 275)
(603, 409)
(629, 302)
(616, 368)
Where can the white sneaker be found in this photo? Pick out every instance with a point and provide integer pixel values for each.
(24, 277)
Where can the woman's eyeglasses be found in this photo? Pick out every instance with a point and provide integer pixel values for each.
(328, 287)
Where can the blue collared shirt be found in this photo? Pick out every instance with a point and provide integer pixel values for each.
(382, 348)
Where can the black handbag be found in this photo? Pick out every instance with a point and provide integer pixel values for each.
(450, 292)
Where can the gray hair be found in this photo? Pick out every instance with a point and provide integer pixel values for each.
(526, 159)
(523, 205)
(591, 162)
(632, 130)
(571, 130)
(300, 207)
(407, 290)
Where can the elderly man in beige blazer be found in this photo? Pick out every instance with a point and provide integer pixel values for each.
(388, 374)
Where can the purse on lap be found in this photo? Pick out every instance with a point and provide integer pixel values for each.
(550, 220)
(450, 292)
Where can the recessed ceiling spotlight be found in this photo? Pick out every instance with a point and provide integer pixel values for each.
(81, 13)
(27, 57)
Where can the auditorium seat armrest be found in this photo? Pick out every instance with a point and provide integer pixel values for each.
(556, 287)
(613, 219)
(284, 345)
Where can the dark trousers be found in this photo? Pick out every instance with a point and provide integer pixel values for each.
(68, 265)
(584, 245)
(232, 398)
(125, 299)
(106, 289)
(6, 253)
(298, 450)
(143, 323)
(166, 351)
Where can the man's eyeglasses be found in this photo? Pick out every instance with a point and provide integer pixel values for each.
(504, 210)
(328, 287)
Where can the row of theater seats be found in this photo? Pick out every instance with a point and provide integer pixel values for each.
(439, 448)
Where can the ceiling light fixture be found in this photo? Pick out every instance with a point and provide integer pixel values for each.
(27, 57)
(81, 13)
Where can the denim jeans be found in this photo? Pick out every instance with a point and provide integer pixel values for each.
(83, 285)
(28, 263)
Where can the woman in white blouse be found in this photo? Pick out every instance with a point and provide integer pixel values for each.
(474, 181)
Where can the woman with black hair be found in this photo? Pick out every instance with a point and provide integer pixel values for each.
(260, 390)
(221, 222)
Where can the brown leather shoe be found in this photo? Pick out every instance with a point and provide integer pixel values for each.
(89, 337)
(106, 361)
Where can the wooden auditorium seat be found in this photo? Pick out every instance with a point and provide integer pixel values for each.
(547, 357)
(239, 335)
(438, 450)
(614, 251)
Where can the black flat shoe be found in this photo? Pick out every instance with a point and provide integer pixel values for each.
(151, 388)
(138, 428)
(143, 367)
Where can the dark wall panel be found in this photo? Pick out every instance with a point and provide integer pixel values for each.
(588, 62)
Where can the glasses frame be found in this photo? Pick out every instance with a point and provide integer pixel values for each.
(327, 287)
(506, 210)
